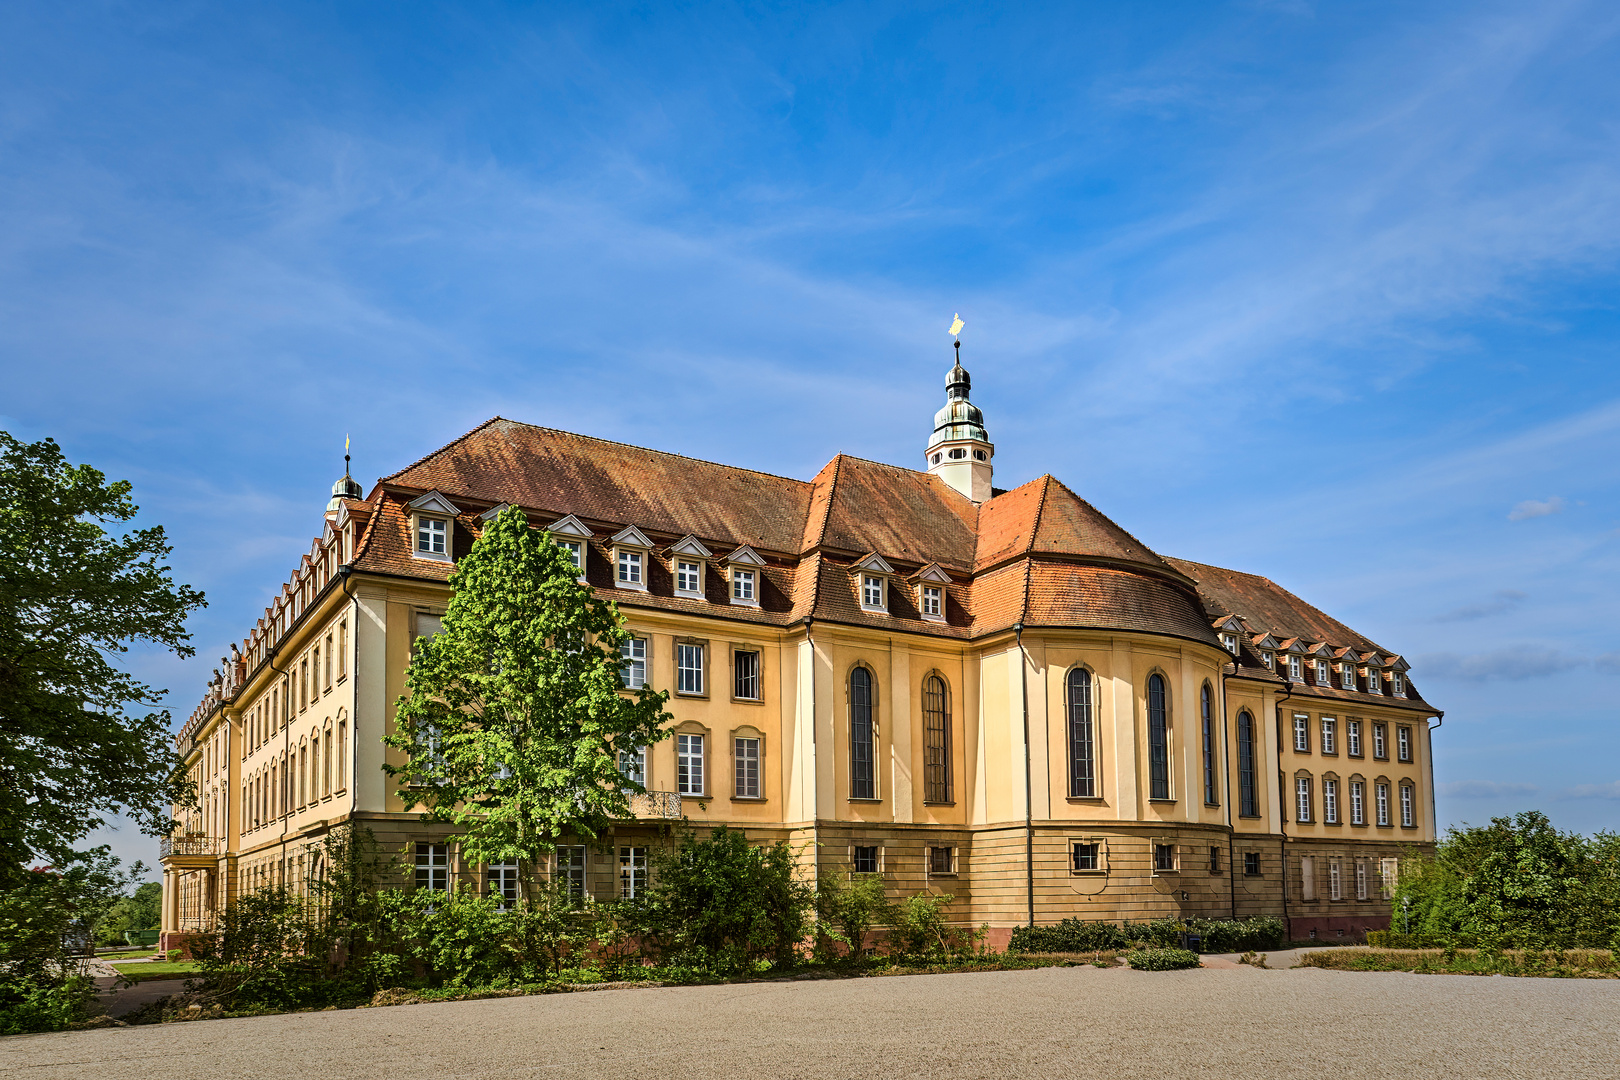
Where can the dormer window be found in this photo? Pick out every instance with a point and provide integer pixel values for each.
(1397, 684)
(1374, 681)
(931, 582)
(874, 574)
(1296, 669)
(744, 569)
(1322, 678)
(932, 601)
(689, 557)
(1267, 659)
(630, 550)
(431, 516)
(1347, 675)
(570, 534)
(1230, 641)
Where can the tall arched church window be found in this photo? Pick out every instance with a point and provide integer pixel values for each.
(1207, 710)
(1082, 745)
(1248, 804)
(862, 753)
(1158, 741)
(937, 743)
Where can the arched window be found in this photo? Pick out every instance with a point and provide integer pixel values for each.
(303, 771)
(1082, 747)
(1248, 804)
(326, 775)
(862, 755)
(1158, 741)
(1206, 705)
(937, 744)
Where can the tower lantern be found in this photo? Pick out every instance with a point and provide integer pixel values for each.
(960, 451)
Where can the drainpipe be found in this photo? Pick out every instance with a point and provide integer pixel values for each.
(815, 778)
(345, 570)
(1226, 774)
(1428, 750)
(1282, 804)
(1029, 797)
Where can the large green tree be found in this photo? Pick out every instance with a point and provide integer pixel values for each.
(80, 739)
(515, 715)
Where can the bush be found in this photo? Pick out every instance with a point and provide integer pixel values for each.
(1220, 935)
(847, 907)
(1162, 959)
(1390, 939)
(140, 911)
(918, 930)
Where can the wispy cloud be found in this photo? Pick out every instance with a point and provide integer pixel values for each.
(1592, 791)
(1502, 600)
(1484, 789)
(1498, 664)
(1534, 508)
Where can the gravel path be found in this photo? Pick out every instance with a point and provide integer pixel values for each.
(1232, 1023)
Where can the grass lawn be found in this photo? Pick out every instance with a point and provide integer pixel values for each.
(132, 954)
(1551, 963)
(160, 970)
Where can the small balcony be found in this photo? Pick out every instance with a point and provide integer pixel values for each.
(189, 850)
(655, 804)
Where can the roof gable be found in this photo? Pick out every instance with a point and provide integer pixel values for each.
(745, 556)
(875, 563)
(569, 525)
(630, 536)
(434, 503)
(690, 545)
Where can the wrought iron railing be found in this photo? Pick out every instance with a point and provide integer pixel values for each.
(656, 804)
(188, 844)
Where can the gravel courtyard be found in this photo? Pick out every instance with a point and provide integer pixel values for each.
(1238, 1023)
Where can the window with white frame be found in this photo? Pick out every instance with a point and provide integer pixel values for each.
(1087, 856)
(1408, 807)
(933, 601)
(633, 765)
(1375, 682)
(1295, 672)
(503, 884)
(571, 868)
(1381, 801)
(431, 535)
(632, 872)
(1352, 737)
(433, 866)
(1330, 801)
(1302, 798)
(1322, 678)
(575, 550)
(872, 592)
(1335, 882)
(1267, 659)
(1361, 879)
(1307, 878)
(1397, 684)
(1231, 643)
(689, 668)
(1347, 675)
(688, 577)
(745, 751)
(1389, 873)
(1358, 802)
(1302, 733)
(629, 567)
(1330, 735)
(742, 585)
(745, 668)
(1403, 743)
(1380, 746)
(689, 764)
(634, 672)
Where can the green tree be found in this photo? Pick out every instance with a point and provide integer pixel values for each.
(514, 716)
(80, 739)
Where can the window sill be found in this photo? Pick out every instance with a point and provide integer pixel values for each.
(745, 603)
(1251, 817)
(941, 873)
(748, 701)
(872, 801)
(1096, 799)
(693, 697)
(686, 594)
(1166, 873)
(632, 586)
(948, 803)
(1087, 873)
(430, 557)
(749, 798)
(1163, 800)
(933, 618)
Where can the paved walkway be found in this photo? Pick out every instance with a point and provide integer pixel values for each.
(1237, 1023)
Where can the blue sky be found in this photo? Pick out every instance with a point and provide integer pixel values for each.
(1325, 292)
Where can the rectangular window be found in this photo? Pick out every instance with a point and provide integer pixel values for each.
(933, 602)
(1374, 682)
(1302, 733)
(1358, 803)
(1403, 743)
(866, 859)
(1302, 799)
(1380, 742)
(1408, 810)
(1330, 801)
(1322, 677)
(343, 649)
(941, 860)
(742, 585)
(1347, 676)
(747, 755)
(689, 668)
(1230, 641)
(745, 665)
(1330, 735)
(1214, 860)
(433, 866)
(1389, 872)
(1266, 659)
(1251, 863)
(503, 884)
(1087, 856)
(1335, 883)
(689, 764)
(327, 671)
(1294, 671)
(634, 672)
(1381, 798)
(633, 765)
(430, 533)
(686, 577)
(571, 868)
(872, 591)
(1397, 683)
(1164, 857)
(630, 567)
(632, 872)
(303, 685)
(575, 552)
(1352, 737)
(1361, 879)
(1307, 878)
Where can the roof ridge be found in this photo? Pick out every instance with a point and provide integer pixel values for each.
(1035, 526)
(1358, 635)
(431, 454)
(832, 491)
(1090, 506)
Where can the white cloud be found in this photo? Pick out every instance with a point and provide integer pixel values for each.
(1501, 601)
(1484, 789)
(1532, 508)
(1592, 791)
(1508, 664)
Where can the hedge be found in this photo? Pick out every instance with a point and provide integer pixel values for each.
(1220, 935)
(1162, 959)
(1393, 939)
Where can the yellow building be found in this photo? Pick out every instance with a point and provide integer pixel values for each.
(997, 694)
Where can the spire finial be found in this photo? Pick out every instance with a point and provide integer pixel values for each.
(345, 456)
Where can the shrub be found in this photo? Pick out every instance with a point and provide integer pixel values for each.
(1070, 935)
(1220, 935)
(1162, 959)
(847, 907)
(918, 930)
